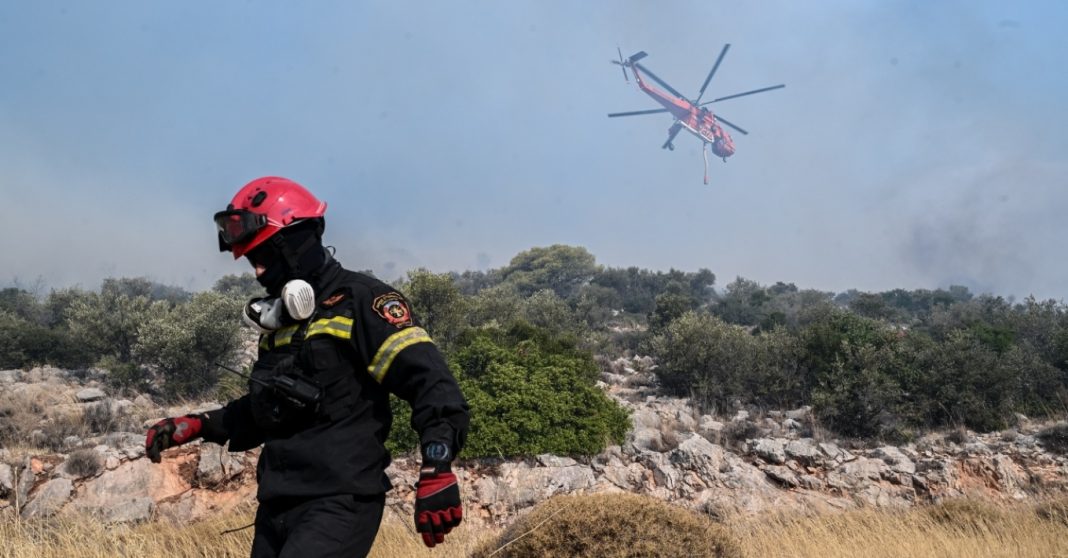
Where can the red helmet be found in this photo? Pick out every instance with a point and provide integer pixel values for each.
(262, 208)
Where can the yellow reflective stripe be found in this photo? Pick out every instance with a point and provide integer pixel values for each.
(285, 335)
(392, 346)
(278, 338)
(338, 326)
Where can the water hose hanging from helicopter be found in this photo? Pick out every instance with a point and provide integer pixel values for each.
(704, 153)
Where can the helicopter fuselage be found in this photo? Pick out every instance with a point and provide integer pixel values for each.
(699, 121)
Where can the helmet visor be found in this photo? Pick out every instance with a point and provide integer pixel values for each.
(237, 226)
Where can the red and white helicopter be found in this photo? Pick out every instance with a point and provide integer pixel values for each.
(691, 115)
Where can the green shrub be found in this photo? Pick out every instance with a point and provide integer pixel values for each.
(107, 323)
(185, 341)
(24, 344)
(533, 392)
(717, 363)
(125, 376)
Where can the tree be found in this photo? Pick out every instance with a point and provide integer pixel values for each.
(183, 342)
(143, 287)
(438, 304)
(108, 322)
(669, 307)
(498, 305)
(743, 303)
(564, 269)
(596, 305)
(546, 310)
(243, 286)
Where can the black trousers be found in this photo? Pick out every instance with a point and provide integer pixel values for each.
(327, 527)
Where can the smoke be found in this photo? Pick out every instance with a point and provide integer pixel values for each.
(997, 228)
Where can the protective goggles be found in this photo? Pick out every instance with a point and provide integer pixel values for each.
(237, 226)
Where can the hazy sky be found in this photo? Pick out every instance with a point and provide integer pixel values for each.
(917, 144)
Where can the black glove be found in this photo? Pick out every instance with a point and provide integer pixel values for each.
(171, 432)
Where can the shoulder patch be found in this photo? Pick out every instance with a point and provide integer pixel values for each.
(394, 309)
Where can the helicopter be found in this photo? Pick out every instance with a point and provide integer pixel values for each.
(691, 115)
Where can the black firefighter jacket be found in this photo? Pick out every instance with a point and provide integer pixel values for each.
(361, 344)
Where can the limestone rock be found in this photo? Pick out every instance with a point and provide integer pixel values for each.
(89, 395)
(770, 450)
(781, 475)
(7, 479)
(804, 451)
(49, 498)
(896, 459)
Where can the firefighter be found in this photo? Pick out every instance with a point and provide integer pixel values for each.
(334, 345)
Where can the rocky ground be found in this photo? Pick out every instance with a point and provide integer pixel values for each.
(720, 465)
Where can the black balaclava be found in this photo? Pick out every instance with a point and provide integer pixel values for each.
(295, 252)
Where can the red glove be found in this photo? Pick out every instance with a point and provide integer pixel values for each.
(437, 503)
(171, 432)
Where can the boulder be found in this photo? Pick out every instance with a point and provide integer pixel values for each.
(49, 498)
(88, 395)
(804, 451)
(7, 479)
(781, 475)
(898, 461)
(770, 450)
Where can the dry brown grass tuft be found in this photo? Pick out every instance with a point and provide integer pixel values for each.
(611, 526)
(967, 514)
(1054, 509)
(84, 463)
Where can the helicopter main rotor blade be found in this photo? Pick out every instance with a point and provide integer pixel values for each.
(720, 119)
(636, 112)
(736, 95)
(715, 67)
(660, 81)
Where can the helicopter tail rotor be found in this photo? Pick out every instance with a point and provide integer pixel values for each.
(622, 64)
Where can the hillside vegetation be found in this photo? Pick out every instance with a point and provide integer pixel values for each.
(524, 341)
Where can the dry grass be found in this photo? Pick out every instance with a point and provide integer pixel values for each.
(41, 419)
(612, 526)
(957, 529)
(83, 537)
